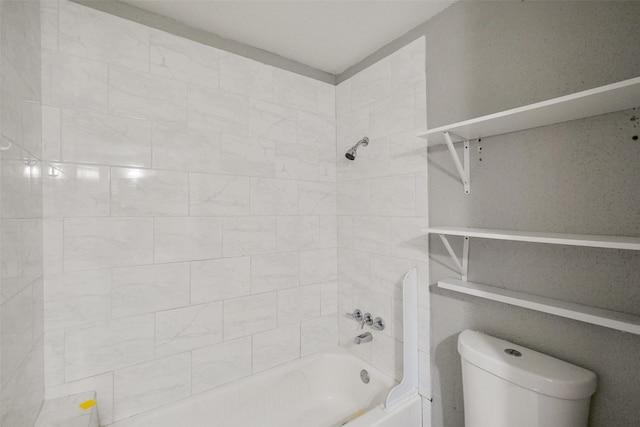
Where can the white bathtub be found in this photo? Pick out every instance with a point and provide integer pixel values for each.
(321, 390)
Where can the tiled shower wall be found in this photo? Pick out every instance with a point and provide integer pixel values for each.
(190, 213)
(382, 204)
(21, 332)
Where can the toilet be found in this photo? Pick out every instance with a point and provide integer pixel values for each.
(506, 385)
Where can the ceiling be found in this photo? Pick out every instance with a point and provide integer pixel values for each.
(329, 35)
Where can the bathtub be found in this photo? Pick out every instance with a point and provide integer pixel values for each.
(320, 390)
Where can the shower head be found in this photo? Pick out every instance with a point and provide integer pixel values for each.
(351, 153)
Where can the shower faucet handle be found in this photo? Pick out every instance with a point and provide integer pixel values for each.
(367, 319)
(356, 315)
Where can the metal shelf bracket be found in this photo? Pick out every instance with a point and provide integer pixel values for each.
(462, 168)
(464, 265)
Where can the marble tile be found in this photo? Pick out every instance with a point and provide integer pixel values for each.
(77, 298)
(272, 121)
(103, 386)
(220, 364)
(144, 96)
(146, 289)
(393, 195)
(185, 149)
(387, 274)
(32, 128)
(422, 190)
(407, 65)
(243, 155)
(318, 266)
(408, 241)
(274, 271)
(98, 138)
(53, 358)
(372, 234)
(188, 328)
(345, 232)
(298, 233)
(249, 236)
(246, 77)
(379, 305)
(53, 240)
(274, 196)
(295, 91)
(328, 231)
(407, 153)
(297, 161)
(318, 334)
(49, 25)
(97, 35)
(327, 99)
(298, 304)
(51, 132)
(75, 190)
(373, 161)
(328, 298)
(150, 385)
(218, 110)
(249, 315)
(95, 243)
(219, 195)
(186, 239)
(105, 346)
(317, 130)
(71, 81)
(393, 115)
(220, 279)
(17, 331)
(371, 84)
(183, 59)
(354, 267)
(276, 347)
(353, 198)
(145, 192)
(387, 355)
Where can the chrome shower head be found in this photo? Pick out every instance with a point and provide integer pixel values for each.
(351, 153)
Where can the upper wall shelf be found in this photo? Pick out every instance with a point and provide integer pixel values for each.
(594, 241)
(593, 102)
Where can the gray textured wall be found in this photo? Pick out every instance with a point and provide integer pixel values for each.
(580, 177)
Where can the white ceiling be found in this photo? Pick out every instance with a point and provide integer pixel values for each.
(329, 35)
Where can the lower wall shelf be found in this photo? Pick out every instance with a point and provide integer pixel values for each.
(597, 316)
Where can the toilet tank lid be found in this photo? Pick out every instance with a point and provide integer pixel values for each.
(532, 370)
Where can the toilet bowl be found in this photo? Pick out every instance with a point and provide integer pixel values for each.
(506, 385)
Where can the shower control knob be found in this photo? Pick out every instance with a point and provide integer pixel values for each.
(378, 324)
(367, 320)
(356, 315)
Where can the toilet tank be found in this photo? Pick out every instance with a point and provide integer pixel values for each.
(506, 385)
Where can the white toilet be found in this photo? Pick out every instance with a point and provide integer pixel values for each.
(506, 385)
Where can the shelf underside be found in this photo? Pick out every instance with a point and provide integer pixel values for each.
(595, 241)
(597, 316)
(593, 102)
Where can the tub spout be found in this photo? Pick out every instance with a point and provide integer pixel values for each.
(366, 337)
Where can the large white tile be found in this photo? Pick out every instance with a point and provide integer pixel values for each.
(188, 328)
(49, 24)
(354, 267)
(246, 77)
(327, 99)
(318, 266)
(271, 272)
(317, 198)
(51, 132)
(408, 240)
(219, 279)
(144, 96)
(298, 232)
(73, 190)
(297, 161)
(328, 298)
(353, 198)
(99, 138)
(146, 289)
(274, 197)
(393, 114)
(52, 246)
(393, 195)
(77, 298)
(328, 231)
(183, 59)
(53, 358)
(186, 239)
(248, 235)
(298, 304)
(17, 331)
(387, 355)
(272, 121)
(249, 315)
(218, 110)
(142, 387)
(147, 192)
(92, 34)
(295, 91)
(276, 347)
(94, 243)
(317, 130)
(219, 195)
(372, 234)
(371, 84)
(70, 81)
(244, 155)
(407, 65)
(220, 364)
(101, 347)
(186, 149)
(407, 153)
(101, 384)
(318, 334)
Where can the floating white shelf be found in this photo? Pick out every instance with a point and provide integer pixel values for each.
(594, 241)
(593, 102)
(597, 316)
